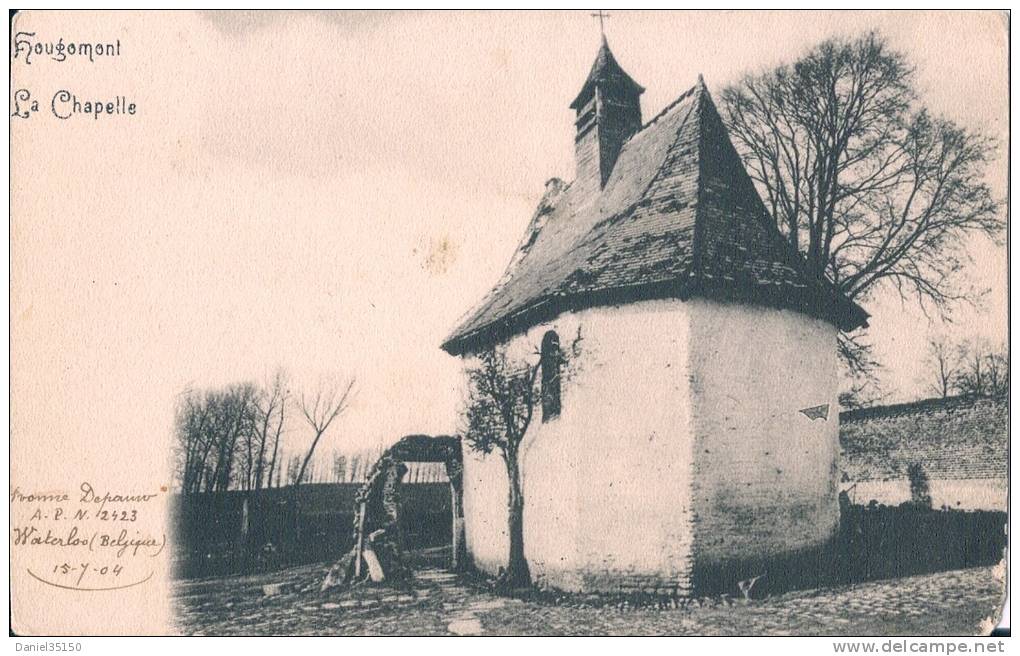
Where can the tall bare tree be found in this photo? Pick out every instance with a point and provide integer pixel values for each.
(277, 434)
(501, 405)
(320, 410)
(192, 439)
(232, 410)
(944, 362)
(269, 412)
(867, 184)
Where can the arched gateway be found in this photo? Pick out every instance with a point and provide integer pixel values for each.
(377, 535)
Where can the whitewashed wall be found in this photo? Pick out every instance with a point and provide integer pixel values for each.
(666, 397)
(766, 475)
(606, 484)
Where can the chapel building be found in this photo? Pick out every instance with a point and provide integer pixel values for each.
(689, 428)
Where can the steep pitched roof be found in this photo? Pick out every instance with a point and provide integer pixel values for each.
(955, 438)
(605, 69)
(678, 216)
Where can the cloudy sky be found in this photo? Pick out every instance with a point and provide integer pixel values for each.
(328, 193)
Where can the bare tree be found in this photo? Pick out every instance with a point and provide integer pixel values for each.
(319, 411)
(247, 449)
(269, 409)
(983, 369)
(192, 444)
(500, 407)
(232, 411)
(869, 186)
(273, 461)
(213, 432)
(997, 377)
(944, 362)
(974, 367)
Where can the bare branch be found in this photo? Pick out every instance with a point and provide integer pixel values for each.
(867, 184)
(329, 402)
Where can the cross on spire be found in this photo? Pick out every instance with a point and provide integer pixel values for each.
(601, 15)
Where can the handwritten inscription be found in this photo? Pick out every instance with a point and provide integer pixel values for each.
(98, 538)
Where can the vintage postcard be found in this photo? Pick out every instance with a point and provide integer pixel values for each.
(446, 323)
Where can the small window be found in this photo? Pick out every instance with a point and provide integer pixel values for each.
(551, 362)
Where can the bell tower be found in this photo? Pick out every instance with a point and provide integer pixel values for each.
(608, 112)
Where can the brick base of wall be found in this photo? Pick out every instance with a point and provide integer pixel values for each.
(637, 584)
(871, 543)
(805, 568)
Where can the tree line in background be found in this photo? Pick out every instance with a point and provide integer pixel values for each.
(233, 437)
(972, 368)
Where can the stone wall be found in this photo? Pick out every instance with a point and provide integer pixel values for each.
(960, 444)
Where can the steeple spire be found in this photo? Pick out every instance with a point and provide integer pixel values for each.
(607, 71)
(608, 111)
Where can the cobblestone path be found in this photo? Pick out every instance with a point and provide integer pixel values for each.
(440, 603)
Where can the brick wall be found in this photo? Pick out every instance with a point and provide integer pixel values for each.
(960, 443)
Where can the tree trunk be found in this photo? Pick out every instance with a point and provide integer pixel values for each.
(517, 574)
(308, 458)
(458, 548)
(276, 445)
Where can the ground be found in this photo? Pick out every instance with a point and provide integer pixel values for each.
(440, 603)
